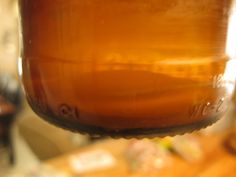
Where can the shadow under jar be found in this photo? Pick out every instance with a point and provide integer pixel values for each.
(127, 68)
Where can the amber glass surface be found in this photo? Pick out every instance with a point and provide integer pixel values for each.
(127, 67)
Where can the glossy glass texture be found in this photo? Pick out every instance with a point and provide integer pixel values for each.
(128, 68)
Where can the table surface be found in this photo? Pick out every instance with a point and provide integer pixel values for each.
(217, 161)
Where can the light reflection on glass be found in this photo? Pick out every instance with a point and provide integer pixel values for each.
(230, 71)
(231, 37)
(229, 76)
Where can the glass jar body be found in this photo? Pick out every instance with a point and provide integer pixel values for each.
(127, 68)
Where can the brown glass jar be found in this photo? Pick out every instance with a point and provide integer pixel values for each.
(128, 68)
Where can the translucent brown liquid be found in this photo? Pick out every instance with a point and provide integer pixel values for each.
(126, 67)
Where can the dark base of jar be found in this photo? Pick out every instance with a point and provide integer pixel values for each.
(95, 131)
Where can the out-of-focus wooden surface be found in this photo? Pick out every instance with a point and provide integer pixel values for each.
(217, 161)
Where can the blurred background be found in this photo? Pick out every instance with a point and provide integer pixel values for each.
(22, 141)
(30, 147)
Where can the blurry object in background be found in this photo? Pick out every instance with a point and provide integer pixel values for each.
(39, 171)
(10, 89)
(188, 147)
(45, 140)
(4, 159)
(92, 161)
(147, 156)
(166, 142)
(150, 155)
(10, 102)
(5, 107)
(45, 171)
(230, 142)
(8, 36)
(217, 162)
